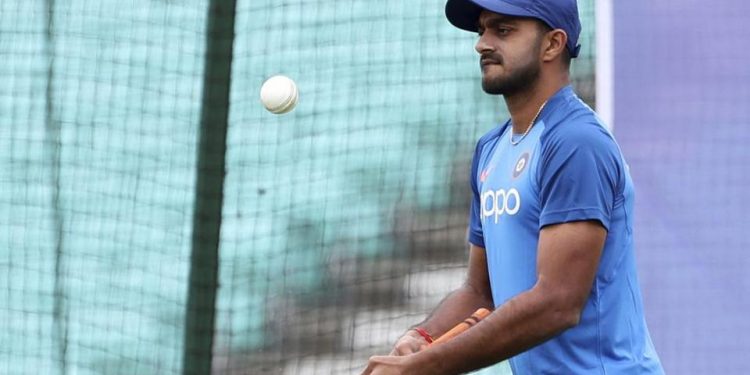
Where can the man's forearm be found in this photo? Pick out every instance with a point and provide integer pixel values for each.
(523, 322)
(456, 307)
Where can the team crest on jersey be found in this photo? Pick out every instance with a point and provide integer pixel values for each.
(521, 164)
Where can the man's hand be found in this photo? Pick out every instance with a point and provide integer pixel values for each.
(388, 365)
(410, 343)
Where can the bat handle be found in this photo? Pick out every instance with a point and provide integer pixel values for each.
(469, 322)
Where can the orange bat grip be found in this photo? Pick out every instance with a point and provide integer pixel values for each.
(463, 326)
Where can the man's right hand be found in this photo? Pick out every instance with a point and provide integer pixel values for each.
(410, 343)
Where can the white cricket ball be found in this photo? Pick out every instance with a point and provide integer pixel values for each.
(279, 94)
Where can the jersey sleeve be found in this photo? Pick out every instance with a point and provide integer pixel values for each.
(476, 236)
(580, 175)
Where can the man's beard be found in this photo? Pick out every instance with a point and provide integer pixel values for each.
(523, 79)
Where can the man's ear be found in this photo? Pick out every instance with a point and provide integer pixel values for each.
(555, 44)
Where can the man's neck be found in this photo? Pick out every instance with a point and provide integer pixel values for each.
(524, 106)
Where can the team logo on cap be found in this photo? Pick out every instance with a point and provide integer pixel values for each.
(521, 164)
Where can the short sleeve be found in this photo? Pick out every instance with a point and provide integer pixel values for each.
(476, 236)
(579, 175)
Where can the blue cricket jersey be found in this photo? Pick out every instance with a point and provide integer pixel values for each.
(568, 168)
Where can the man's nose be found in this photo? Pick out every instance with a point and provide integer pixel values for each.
(482, 46)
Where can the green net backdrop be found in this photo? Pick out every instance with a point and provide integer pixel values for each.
(343, 222)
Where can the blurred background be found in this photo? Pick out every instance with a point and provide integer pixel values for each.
(343, 222)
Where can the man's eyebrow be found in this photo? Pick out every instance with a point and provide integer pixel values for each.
(495, 19)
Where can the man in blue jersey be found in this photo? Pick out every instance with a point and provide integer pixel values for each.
(551, 222)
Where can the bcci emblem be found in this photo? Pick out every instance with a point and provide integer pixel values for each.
(521, 164)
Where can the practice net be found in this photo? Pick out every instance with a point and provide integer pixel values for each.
(342, 223)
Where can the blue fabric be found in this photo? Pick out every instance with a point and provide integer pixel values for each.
(558, 14)
(568, 168)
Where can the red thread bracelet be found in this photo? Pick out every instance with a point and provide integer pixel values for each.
(424, 334)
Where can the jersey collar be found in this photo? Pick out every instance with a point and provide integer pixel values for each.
(554, 102)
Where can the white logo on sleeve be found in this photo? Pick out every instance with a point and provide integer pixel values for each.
(496, 203)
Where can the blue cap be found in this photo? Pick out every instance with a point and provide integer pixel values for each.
(558, 14)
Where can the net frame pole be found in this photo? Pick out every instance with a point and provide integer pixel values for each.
(211, 158)
(53, 147)
(605, 62)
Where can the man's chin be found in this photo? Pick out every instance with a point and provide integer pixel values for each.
(492, 88)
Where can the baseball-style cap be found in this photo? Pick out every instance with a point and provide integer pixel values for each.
(558, 14)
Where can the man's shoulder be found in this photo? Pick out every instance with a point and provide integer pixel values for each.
(491, 136)
(575, 124)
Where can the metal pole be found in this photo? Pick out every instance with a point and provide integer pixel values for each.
(204, 260)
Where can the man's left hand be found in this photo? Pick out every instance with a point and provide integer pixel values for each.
(389, 365)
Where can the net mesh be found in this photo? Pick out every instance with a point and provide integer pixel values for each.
(343, 222)
(687, 145)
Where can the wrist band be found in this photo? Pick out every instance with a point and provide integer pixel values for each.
(424, 334)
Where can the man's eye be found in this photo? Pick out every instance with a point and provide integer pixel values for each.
(503, 30)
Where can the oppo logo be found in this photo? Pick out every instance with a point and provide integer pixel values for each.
(500, 202)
